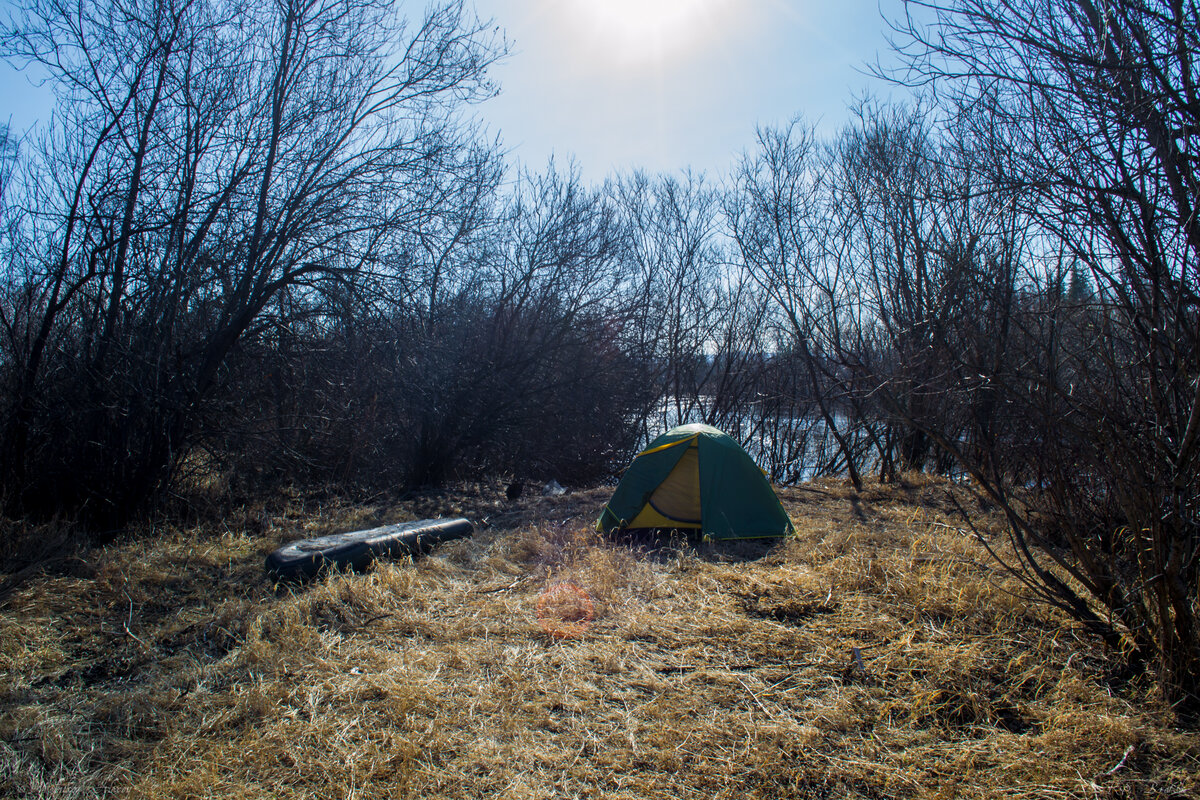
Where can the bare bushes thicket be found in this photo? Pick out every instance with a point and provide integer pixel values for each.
(386, 406)
(1085, 118)
(208, 177)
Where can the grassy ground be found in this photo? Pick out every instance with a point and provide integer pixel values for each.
(169, 667)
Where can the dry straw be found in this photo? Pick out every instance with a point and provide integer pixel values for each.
(876, 654)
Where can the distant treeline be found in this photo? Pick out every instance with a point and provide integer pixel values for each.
(266, 246)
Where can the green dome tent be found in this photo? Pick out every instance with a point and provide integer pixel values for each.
(695, 477)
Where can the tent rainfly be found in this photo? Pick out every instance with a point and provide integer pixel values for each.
(694, 477)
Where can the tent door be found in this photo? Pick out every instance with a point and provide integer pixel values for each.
(676, 501)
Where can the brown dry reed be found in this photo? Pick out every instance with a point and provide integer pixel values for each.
(875, 654)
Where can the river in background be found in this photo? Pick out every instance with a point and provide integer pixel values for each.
(790, 448)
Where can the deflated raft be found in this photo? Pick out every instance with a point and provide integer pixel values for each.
(355, 550)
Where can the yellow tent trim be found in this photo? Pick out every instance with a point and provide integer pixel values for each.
(650, 518)
(689, 442)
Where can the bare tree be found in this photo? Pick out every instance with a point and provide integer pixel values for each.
(672, 287)
(521, 373)
(206, 162)
(1088, 113)
(776, 218)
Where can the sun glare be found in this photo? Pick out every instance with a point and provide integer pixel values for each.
(638, 31)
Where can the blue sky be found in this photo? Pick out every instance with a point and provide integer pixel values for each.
(668, 84)
(655, 84)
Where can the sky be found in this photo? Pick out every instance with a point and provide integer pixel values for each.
(659, 85)
(664, 85)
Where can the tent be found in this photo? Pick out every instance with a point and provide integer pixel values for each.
(694, 477)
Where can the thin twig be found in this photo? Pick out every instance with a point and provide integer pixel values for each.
(1121, 763)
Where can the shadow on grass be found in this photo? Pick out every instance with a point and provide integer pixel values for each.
(665, 544)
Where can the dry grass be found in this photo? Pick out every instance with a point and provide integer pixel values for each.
(172, 669)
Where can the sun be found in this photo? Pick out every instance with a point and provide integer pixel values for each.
(639, 31)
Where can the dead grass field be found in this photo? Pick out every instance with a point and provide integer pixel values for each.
(169, 667)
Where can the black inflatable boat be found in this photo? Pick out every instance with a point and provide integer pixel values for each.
(306, 558)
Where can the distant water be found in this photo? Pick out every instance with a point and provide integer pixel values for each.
(790, 447)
